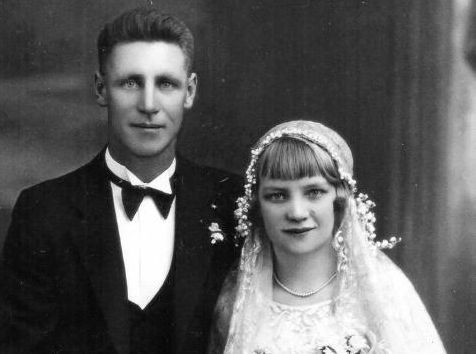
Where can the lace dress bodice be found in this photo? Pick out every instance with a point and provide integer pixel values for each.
(311, 329)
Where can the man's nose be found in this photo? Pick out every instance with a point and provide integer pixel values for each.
(149, 103)
(297, 210)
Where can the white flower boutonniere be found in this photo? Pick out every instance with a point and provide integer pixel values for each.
(217, 234)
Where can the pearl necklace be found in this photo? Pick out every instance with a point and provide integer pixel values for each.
(306, 294)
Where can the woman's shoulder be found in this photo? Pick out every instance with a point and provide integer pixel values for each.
(391, 274)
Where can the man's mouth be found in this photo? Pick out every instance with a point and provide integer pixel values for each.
(147, 125)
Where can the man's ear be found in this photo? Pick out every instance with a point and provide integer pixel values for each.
(191, 90)
(100, 88)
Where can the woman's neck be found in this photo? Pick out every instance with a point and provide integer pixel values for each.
(304, 273)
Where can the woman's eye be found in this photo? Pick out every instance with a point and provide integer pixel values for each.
(275, 197)
(315, 193)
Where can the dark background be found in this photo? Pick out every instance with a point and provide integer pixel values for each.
(380, 72)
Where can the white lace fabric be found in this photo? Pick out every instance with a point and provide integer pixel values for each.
(307, 329)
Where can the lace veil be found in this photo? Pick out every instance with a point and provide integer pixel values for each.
(370, 285)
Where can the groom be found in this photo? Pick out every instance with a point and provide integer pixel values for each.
(125, 254)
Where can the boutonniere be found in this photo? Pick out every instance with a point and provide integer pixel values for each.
(216, 233)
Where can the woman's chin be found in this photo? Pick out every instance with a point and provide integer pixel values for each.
(300, 249)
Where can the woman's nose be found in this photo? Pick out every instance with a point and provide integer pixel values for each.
(297, 210)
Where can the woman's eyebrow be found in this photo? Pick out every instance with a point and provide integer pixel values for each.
(271, 187)
(315, 185)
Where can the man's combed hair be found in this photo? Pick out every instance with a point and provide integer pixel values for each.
(145, 24)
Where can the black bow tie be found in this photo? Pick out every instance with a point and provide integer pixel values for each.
(132, 196)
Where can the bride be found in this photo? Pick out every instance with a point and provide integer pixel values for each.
(311, 277)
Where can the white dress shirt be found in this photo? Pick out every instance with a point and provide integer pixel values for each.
(147, 241)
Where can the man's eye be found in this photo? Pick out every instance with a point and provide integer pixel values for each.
(165, 84)
(130, 83)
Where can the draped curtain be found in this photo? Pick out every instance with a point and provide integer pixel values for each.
(434, 162)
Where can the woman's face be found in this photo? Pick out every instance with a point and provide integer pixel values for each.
(298, 215)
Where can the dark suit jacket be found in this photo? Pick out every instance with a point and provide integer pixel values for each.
(62, 284)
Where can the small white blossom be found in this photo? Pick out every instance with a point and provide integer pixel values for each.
(214, 227)
(216, 237)
(358, 343)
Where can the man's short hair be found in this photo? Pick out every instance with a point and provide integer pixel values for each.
(145, 24)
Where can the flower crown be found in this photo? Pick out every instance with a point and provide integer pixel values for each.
(336, 147)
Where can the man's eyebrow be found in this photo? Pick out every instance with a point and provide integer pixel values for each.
(135, 76)
(168, 76)
(129, 76)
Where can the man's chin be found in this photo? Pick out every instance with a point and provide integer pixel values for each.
(152, 151)
(148, 154)
(137, 153)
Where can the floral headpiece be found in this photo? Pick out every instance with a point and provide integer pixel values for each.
(322, 136)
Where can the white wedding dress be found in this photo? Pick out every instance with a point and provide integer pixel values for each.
(374, 313)
(309, 329)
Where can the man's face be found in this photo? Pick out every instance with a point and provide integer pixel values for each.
(146, 89)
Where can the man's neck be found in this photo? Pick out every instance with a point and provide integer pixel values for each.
(145, 168)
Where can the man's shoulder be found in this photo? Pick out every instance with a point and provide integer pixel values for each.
(201, 174)
(61, 186)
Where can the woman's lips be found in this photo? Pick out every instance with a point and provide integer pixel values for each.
(298, 230)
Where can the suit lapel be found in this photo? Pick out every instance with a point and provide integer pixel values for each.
(100, 251)
(192, 246)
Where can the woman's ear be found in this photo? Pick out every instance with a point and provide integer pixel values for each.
(100, 89)
(340, 206)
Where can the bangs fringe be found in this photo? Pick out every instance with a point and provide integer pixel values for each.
(290, 159)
